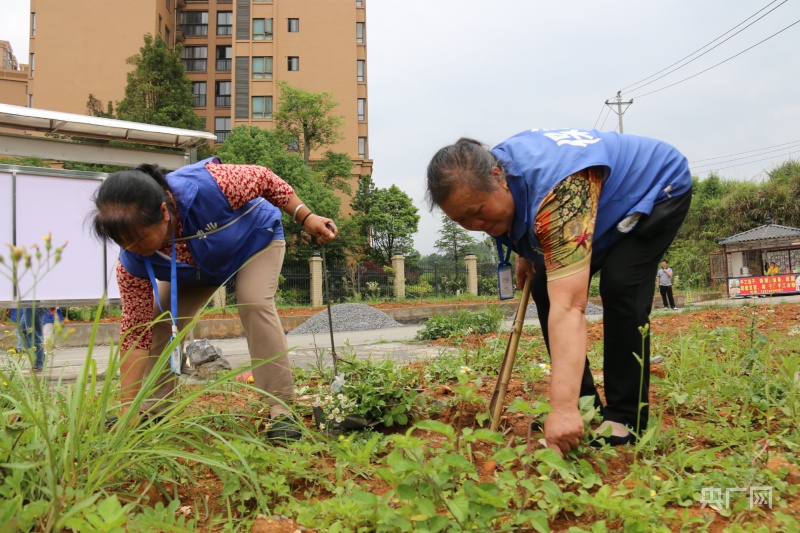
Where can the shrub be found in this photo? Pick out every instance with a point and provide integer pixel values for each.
(462, 323)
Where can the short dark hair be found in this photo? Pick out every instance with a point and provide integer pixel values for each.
(466, 162)
(127, 201)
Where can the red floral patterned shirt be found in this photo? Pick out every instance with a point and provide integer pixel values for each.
(239, 184)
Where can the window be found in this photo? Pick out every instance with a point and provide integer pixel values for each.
(30, 65)
(294, 25)
(194, 23)
(294, 145)
(359, 3)
(262, 29)
(362, 147)
(30, 100)
(224, 58)
(262, 1)
(360, 64)
(159, 24)
(262, 68)
(169, 6)
(261, 107)
(359, 32)
(294, 63)
(225, 23)
(194, 58)
(166, 35)
(222, 127)
(223, 94)
(362, 109)
(33, 24)
(199, 91)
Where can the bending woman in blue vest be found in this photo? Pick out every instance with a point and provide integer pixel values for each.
(212, 222)
(571, 203)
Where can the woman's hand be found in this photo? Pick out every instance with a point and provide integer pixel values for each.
(524, 269)
(563, 429)
(322, 228)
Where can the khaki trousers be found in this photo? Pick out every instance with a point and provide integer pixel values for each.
(256, 285)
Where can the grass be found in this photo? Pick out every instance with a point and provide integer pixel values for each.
(724, 421)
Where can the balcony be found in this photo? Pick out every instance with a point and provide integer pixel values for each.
(194, 65)
(223, 101)
(194, 30)
(199, 100)
(221, 135)
(224, 65)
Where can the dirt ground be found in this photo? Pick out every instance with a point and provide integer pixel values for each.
(779, 319)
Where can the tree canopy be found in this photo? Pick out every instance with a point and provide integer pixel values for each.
(454, 241)
(386, 219)
(251, 145)
(158, 91)
(307, 118)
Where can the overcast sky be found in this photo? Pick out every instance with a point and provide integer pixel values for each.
(442, 69)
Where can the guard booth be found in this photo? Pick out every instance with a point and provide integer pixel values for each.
(747, 257)
(37, 202)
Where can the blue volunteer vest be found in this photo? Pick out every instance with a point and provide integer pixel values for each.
(219, 238)
(641, 172)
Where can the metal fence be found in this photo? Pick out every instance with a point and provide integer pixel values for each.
(368, 282)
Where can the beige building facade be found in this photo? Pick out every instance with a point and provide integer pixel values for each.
(13, 77)
(234, 52)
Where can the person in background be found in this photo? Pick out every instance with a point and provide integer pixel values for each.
(210, 222)
(773, 269)
(571, 203)
(48, 328)
(664, 276)
(29, 335)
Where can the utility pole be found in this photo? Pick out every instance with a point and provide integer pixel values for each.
(619, 111)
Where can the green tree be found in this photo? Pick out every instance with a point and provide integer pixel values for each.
(335, 169)
(390, 221)
(454, 242)
(305, 117)
(250, 145)
(158, 91)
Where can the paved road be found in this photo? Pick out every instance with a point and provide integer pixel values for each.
(305, 350)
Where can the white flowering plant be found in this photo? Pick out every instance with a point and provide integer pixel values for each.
(332, 409)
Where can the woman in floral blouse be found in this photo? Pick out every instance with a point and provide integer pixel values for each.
(571, 203)
(212, 222)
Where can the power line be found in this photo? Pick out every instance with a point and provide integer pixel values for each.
(742, 164)
(608, 113)
(720, 63)
(598, 117)
(706, 45)
(791, 150)
(742, 153)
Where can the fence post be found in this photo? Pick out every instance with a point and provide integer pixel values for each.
(472, 273)
(220, 298)
(315, 285)
(399, 266)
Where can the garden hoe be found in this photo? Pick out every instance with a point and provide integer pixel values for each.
(330, 316)
(499, 394)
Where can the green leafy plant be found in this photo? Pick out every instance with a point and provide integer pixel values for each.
(462, 323)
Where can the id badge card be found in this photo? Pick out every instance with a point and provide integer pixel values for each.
(505, 281)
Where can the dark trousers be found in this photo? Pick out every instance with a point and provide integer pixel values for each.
(666, 294)
(627, 281)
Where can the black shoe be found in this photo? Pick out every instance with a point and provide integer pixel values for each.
(599, 441)
(285, 427)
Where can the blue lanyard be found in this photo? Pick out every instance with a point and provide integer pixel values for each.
(503, 258)
(173, 275)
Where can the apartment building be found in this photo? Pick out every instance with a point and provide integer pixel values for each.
(234, 51)
(13, 77)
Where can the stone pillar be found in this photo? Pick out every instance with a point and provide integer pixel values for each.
(219, 298)
(399, 266)
(315, 285)
(472, 273)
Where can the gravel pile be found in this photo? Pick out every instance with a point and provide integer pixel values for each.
(531, 311)
(346, 317)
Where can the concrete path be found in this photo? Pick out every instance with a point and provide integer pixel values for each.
(306, 350)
